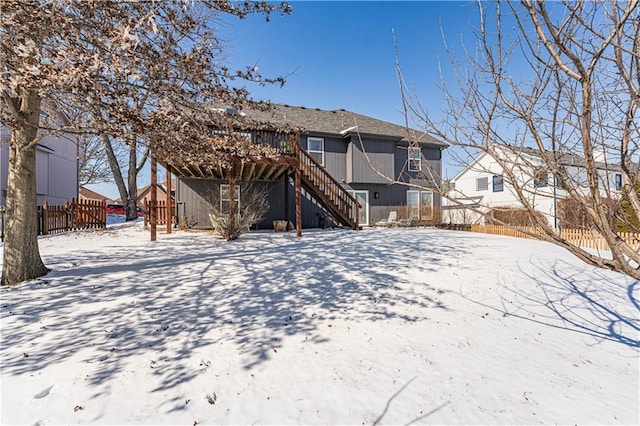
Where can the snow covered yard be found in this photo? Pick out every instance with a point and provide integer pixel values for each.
(382, 326)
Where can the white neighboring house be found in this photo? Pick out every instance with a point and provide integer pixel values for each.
(56, 165)
(483, 184)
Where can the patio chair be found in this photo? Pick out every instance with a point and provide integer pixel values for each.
(390, 221)
(406, 222)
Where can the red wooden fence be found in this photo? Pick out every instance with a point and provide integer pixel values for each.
(161, 212)
(73, 216)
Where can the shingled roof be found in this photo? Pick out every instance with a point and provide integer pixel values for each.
(335, 122)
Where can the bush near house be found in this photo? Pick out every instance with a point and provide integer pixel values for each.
(232, 219)
(627, 218)
(572, 214)
(513, 216)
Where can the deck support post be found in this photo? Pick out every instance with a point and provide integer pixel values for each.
(169, 210)
(298, 203)
(286, 196)
(153, 210)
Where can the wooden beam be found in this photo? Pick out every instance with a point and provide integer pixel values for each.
(154, 197)
(273, 168)
(169, 211)
(262, 169)
(298, 203)
(241, 170)
(286, 196)
(252, 172)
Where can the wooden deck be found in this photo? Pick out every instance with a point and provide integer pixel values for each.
(289, 159)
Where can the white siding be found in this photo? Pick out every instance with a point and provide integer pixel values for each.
(56, 168)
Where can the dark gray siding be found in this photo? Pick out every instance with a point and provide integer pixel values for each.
(194, 197)
(432, 155)
(335, 155)
(191, 193)
(379, 154)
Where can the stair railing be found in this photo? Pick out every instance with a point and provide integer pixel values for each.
(330, 188)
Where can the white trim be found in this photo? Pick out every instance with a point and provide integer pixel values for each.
(364, 208)
(236, 195)
(321, 140)
(412, 161)
(419, 206)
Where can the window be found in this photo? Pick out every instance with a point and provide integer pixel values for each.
(540, 178)
(482, 184)
(420, 204)
(225, 200)
(426, 205)
(498, 183)
(315, 146)
(415, 159)
(618, 181)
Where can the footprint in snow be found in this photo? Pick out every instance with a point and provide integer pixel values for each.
(43, 393)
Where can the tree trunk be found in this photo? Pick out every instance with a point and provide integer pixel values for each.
(132, 181)
(129, 191)
(22, 260)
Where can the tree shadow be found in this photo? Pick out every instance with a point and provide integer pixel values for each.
(577, 298)
(178, 299)
(379, 419)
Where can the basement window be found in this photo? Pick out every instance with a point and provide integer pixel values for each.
(225, 197)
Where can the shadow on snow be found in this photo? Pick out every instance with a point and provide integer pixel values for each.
(200, 295)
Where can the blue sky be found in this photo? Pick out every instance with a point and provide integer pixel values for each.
(338, 54)
(341, 55)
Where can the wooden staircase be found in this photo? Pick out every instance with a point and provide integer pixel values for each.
(327, 191)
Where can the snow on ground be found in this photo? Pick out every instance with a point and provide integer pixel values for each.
(382, 326)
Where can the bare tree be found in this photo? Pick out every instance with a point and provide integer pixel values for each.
(94, 167)
(107, 57)
(564, 79)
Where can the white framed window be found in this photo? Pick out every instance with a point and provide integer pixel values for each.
(420, 204)
(415, 159)
(482, 184)
(315, 147)
(225, 197)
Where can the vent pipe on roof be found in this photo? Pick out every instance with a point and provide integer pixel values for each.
(350, 129)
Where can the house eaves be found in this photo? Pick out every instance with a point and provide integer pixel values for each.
(338, 123)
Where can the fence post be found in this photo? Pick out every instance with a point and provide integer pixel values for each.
(65, 219)
(146, 213)
(45, 218)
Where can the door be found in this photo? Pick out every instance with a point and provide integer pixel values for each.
(363, 198)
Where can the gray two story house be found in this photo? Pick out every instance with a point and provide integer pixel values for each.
(339, 152)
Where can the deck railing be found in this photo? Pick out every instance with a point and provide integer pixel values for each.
(162, 213)
(346, 205)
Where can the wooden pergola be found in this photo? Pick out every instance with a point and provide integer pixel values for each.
(283, 162)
